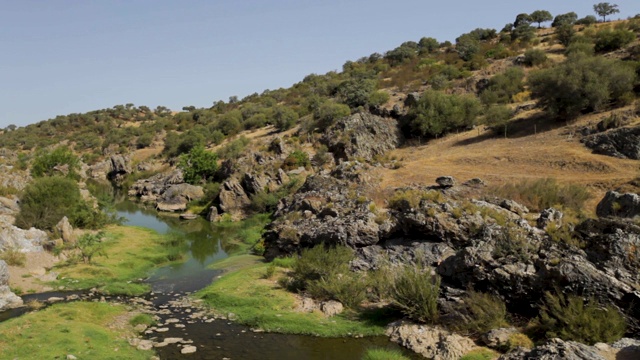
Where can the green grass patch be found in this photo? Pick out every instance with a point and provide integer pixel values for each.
(383, 354)
(144, 319)
(80, 329)
(130, 254)
(481, 354)
(262, 303)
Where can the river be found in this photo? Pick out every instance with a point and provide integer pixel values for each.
(220, 339)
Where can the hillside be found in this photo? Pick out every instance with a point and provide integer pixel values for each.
(463, 188)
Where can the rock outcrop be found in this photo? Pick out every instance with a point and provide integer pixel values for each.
(66, 231)
(233, 199)
(622, 143)
(168, 191)
(620, 205)
(362, 136)
(8, 299)
(12, 237)
(431, 342)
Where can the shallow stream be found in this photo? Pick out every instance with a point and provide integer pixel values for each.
(220, 339)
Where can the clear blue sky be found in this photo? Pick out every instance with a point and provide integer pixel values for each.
(63, 56)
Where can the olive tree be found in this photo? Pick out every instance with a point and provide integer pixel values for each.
(604, 8)
(540, 16)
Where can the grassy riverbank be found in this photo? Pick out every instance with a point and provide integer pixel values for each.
(259, 302)
(130, 254)
(85, 330)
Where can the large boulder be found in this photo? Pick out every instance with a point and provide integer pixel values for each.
(620, 205)
(66, 231)
(622, 143)
(362, 135)
(232, 198)
(431, 342)
(12, 237)
(8, 299)
(176, 197)
(556, 349)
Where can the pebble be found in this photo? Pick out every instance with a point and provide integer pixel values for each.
(189, 349)
(165, 329)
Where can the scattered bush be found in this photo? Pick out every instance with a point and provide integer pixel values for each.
(284, 118)
(13, 257)
(582, 84)
(51, 163)
(534, 57)
(90, 245)
(482, 312)
(324, 273)
(541, 194)
(570, 318)
(234, 149)
(328, 112)
(513, 241)
(438, 113)
(610, 40)
(502, 87)
(415, 292)
(45, 201)
(296, 159)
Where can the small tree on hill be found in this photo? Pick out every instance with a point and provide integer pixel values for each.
(564, 19)
(60, 161)
(540, 16)
(604, 8)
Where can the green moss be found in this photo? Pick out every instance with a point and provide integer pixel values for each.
(80, 329)
(383, 354)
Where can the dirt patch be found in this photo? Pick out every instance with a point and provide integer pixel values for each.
(32, 277)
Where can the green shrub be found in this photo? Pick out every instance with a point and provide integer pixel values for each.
(610, 40)
(513, 240)
(296, 159)
(378, 98)
(349, 288)
(570, 318)
(234, 149)
(579, 47)
(534, 57)
(411, 198)
(284, 118)
(582, 84)
(198, 165)
(438, 113)
(46, 163)
(587, 20)
(328, 112)
(541, 194)
(415, 292)
(285, 262)
(383, 354)
(502, 87)
(482, 312)
(45, 201)
(91, 245)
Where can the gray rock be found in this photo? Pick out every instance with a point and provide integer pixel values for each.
(212, 215)
(253, 183)
(8, 299)
(446, 181)
(232, 198)
(621, 143)
(176, 197)
(548, 216)
(12, 237)
(498, 338)
(430, 342)
(567, 350)
(514, 207)
(331, 308)
(620, 205)
(66, 231)
(362, 136)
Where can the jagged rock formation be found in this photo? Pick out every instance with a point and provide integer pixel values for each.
(66, 231)
(622, 143)
(468, 243)
(621, 205)
(8, 299)
(362, 136)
